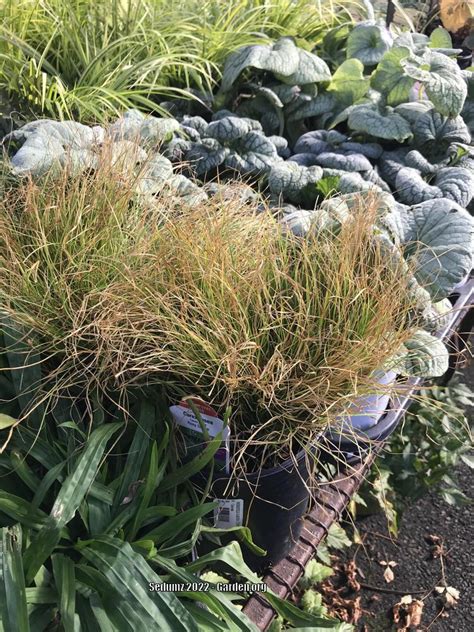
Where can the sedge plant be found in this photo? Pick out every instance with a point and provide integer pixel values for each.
(113, 293)
(92, 60)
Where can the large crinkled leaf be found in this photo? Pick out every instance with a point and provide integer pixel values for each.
(439, 244)
(328, 216)
(422, 355)
(322, 104)
(370, 150)
(318, 141)
(197, 123)
(288, 63)
(389, 125)
(304, 159)
(411, 111)
(206, 155)
(292, 181)
(433, 128)
(134, 125)
(415, 42)
(453, 183)
(456, 184)
(311, 69)
(390, 164)
(345, 161)
(187, 190)
(368, 42)
(390, 78)
(348, 83)
(158, 170)
(177, 149)
(416, 160)
(354, 182)
(442, 79)
(252, 154)
(51, 145)
(281, 146)
(411, 188)
(227, 129)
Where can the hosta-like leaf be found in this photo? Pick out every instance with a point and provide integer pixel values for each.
(318, 141)
(253, 154)
(291, 180)
(415, 42)
(411, 188)
(370, 150)
(287, 62)
(423, 356)
(389, 125)
(456, 184)
(228, 129)
(433, 129)
(442, 79)
(134, 125)
(411, 111)
(390, 78)
(439, 243)
(322, 104)
(348, 83)
(155, 175)
(416, 160)
(345, 161)
(206, 155)
(197, 123)
(368, 42)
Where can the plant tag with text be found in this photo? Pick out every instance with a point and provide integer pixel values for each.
(229, 513)
(191, 430)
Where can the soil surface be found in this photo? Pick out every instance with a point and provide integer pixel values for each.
(428, 528)
(418, 568)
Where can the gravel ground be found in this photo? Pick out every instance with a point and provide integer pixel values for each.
(417, 569)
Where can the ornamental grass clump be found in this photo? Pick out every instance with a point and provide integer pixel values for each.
(69, 58)
(111, 291)
(283, 330)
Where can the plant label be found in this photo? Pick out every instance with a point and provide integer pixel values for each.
(192, 434)
(229, 513)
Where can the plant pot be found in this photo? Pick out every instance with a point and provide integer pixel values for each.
(270, 502)
(353, 437)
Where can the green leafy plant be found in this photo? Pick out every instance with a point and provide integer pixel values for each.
(68, 58)
(436, 436)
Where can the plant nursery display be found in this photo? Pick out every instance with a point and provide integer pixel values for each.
(226, 230)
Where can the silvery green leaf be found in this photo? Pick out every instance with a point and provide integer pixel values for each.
(440, 38)
(442, 79)
(322, 104)
(197, 123)
(188, 191)
(291, 180)
(298, 222)
(432, 128)
(238, 191)
(415, 42)
(348, 83)
(284, 93)
(373, 176)
(206, 156)
(368, 42)
(423, 355)
(156, 173)
(281, 145)
(280, 58)
(318, 141)
(39, 155)
(456, 184)
(437, 315)
(354, 182)
(345, 161)
(310, 69)
(390, 77)
(416, 160)
(253, 154)
(439, 244)
(188, 133)
(134, 125)
(177, 149)
(370, 150)
(158, 130)
(305, 160)
(391, 162)
(468, 115)
(411, 188)
(411, 111)
(228, 129)
(389, 125)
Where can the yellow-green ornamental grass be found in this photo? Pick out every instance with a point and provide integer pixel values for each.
(216, 301)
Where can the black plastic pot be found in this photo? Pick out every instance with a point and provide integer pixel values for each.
(274, 503)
